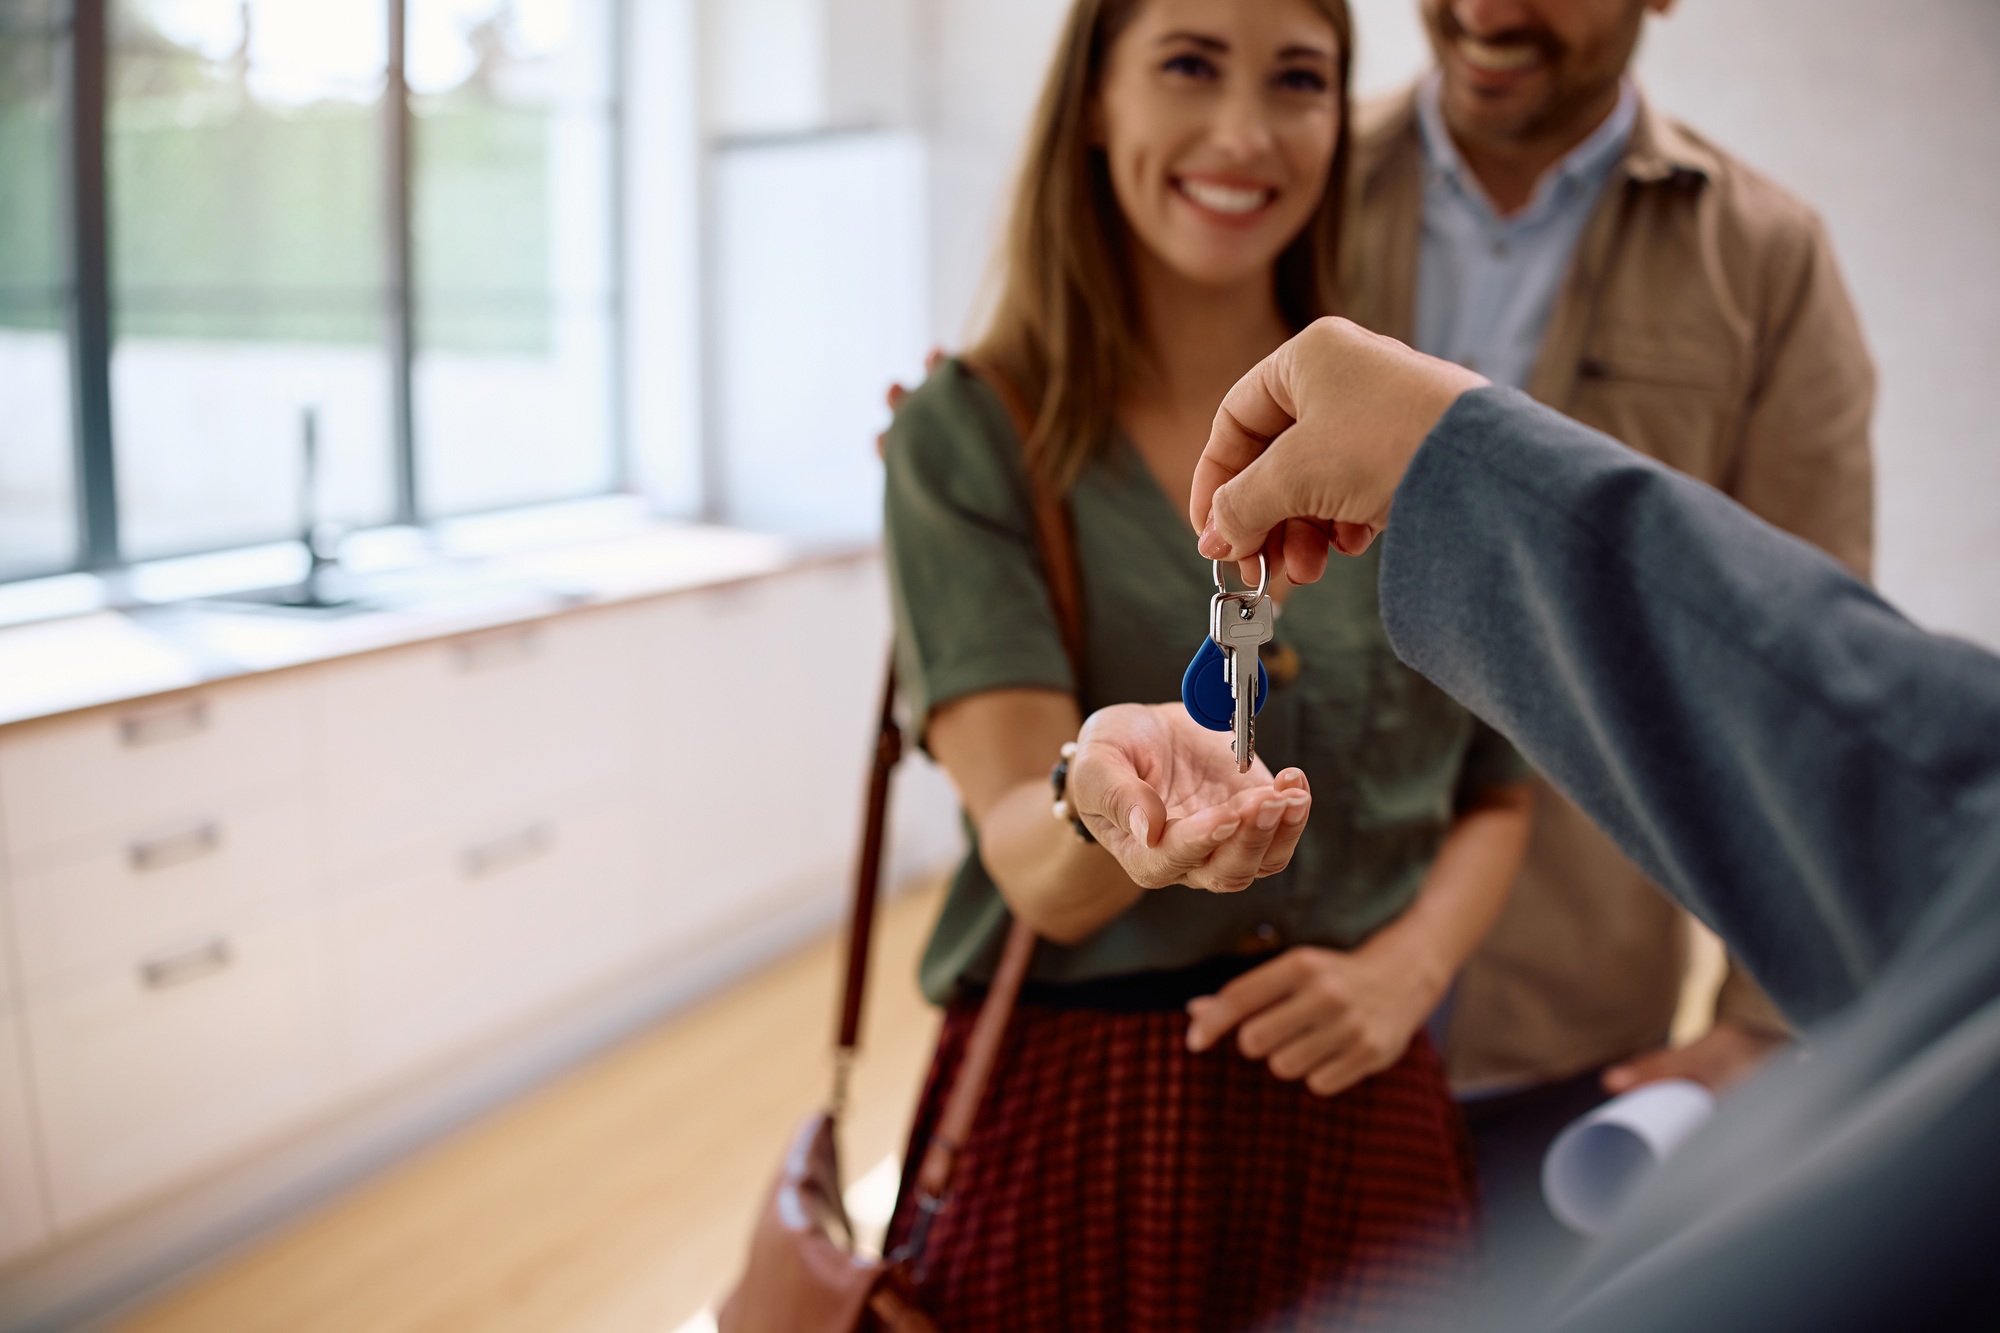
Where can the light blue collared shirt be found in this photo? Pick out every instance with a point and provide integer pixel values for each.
(1486, 284)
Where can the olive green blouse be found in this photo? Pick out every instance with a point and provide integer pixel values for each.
(1390, 757)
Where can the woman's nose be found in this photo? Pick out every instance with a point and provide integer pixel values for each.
(1242, 126)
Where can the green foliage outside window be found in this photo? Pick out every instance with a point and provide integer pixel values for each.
(235, 220)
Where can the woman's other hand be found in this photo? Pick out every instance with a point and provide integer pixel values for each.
(1161, 793)
(1333, 1017)
(1326, 1017)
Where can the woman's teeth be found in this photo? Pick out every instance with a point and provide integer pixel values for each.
(1500, 58)
(1224, 198)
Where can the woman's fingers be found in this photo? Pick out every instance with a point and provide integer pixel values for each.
(1184, 851)
(1343, 1071)
(1220, 849)
(1233, 865)
(1256, 990)
(1291, 827)
(1301, 1053)
(1297, 1018)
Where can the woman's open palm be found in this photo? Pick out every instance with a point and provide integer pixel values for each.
(1162, 794)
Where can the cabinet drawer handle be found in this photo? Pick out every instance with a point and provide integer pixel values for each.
(171, 849)
(186, 965)
(505, 853)
(496, 648)
(157, 725)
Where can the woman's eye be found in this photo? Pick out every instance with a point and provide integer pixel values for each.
(1190, 66)
(1302, 81)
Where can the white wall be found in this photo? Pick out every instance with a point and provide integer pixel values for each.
(1882, 113)
(986, 68)
(763, 65)
(803, 66)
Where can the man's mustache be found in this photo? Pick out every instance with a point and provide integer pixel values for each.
(1544, 41)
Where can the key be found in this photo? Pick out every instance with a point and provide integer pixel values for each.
(1241, 624)
(1208, 686)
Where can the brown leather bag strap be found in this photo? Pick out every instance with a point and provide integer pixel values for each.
(968, 1090)
(867, 878)
(1056, 540)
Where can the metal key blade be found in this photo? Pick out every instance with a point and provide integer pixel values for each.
(1242, 624)
(1243, 685)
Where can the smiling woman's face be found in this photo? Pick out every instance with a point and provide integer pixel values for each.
(1219, 120)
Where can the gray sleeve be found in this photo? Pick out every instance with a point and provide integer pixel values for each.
(1769, 740)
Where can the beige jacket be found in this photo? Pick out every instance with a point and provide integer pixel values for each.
(1703, 322)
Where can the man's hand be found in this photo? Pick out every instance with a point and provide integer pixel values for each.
(898, 392)
(1161, 793)
(1309, 447)
(1726, 1055)
(1328, 1017)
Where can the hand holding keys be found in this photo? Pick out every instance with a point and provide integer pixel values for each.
(1225, 685)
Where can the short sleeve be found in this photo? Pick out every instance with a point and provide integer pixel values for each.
(972, 610)
(1490, 761)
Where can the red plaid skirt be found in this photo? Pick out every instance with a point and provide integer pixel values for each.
(1115, 1181)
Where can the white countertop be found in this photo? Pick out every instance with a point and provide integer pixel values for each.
(114, 656)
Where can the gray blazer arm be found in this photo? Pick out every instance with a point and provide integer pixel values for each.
(1774, 744)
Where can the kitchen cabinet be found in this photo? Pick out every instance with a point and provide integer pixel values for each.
(24, 1223)
(757, 788)
(481, 926)
(146, 763)
(149, 1069)
(472, 724)
(236, 911)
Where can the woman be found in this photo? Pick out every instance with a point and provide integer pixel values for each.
(1210, 1111)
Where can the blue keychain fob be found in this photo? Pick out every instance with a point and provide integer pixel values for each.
(1205, 688)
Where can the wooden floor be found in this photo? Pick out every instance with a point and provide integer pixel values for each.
(618, 1198)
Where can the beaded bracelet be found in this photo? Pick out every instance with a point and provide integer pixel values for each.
(1059, 780)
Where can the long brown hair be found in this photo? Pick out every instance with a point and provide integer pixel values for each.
(1064, 331)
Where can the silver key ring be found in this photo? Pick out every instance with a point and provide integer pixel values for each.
(1263, 575)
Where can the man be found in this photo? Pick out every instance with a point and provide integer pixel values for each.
(1526, 213)
(1815, 776)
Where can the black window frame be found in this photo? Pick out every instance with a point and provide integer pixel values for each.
(80, 31)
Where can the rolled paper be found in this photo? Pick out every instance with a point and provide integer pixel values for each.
(1599, 1159)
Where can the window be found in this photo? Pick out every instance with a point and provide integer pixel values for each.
(511, 141)
(248, 228)
(386, 225)
(37, 501)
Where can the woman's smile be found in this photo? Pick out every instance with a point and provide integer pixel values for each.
(1230, 201)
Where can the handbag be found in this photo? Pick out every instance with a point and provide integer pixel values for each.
(804, 1274)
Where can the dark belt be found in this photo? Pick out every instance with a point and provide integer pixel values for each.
(1162, 990)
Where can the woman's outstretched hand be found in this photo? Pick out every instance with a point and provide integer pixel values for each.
(1308, 449)
(1161, 793)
